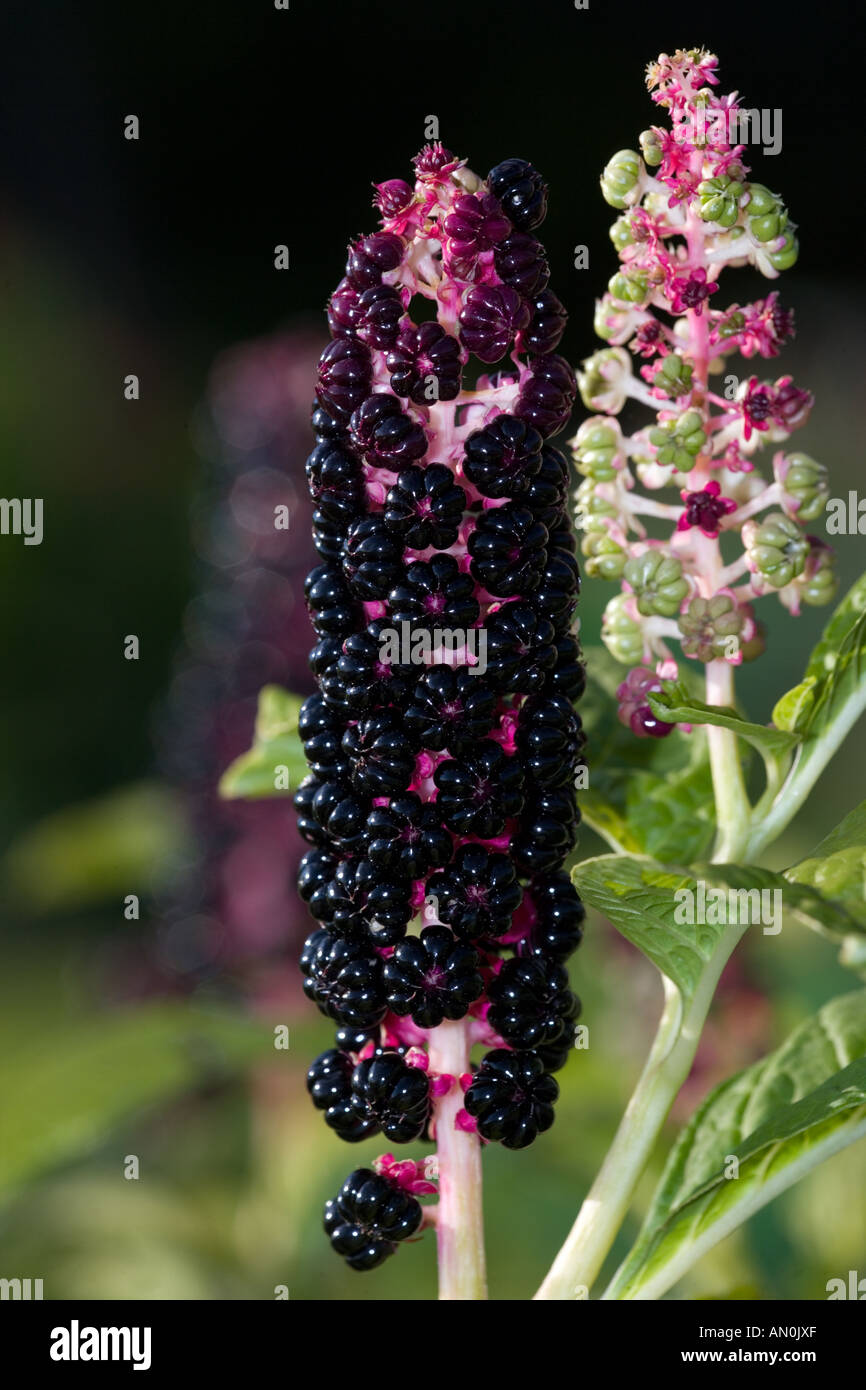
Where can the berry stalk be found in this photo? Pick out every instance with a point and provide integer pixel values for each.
(459, 1217)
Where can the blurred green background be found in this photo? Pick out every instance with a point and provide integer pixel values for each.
(157, 258)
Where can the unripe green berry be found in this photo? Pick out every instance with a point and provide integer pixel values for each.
(592, 508)
(605, 559)
(658, 583)
(777, 548)
(719, 200)
(805, 485)
(679, 441)
(820, 580)
(602, 377)
(708, 625)
(595, 449)
(629, 286)
(787, 254)
(620, 180)
(674, 376)
(620, 633)
(650, 148)
(621, 233)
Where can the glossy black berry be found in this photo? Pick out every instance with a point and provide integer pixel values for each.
(546, 325)
(327, 424)
(520, 648)
(531, 1004)
(549, 740)
(501, 459)
(490, 318)
(329, 1078)
(362, 901)
(321, 729)
(512, 1097)
(315, 872)
(368, 1217)
(522, 192)
(341, 813)
(480, 791)
(386, 436)
(308, 826)
(425, 363)
(336, 482)
(568, 676)
(559, 916)
(477, 894)
(406, 837)
(450, 708)
(381, 753)
(432, 977)
(343, 977)
(547, 831)
(548, 490)
(355, 1039)
(390, 1094)
(367, 675)
(372, 558)
(433, 594)
(345, 374)
(425, 507)
(558, 588)
(332, 608)
(507, 549)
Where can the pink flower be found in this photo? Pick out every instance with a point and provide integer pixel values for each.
(690, 292)
(756, 406)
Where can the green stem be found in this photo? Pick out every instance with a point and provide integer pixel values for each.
(733, 809)
(578, 1263)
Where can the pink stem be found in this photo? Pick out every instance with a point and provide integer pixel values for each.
(459, 1223)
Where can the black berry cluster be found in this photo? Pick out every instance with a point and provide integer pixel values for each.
(442, 743)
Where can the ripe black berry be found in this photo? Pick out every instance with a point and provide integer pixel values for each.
(333, 611)
(522, 192)
(406, 837)
(521, 263)
(547, 831)
(389, 1094)
(381, 753)
(367, 679)
(477, 894)
(520, 648)
(340, 812)
(548, 490)
(435, 593)
(425, 507)
(371, 257)
(359, 901)
(451, 709)
(546, 326)
(507, 549)
(480, 791)
(372, 558)
(501, 459)
(343, 977)
(368, 1217)
(547, 396)
(549, 740)
(377, 316)
(432, 977)
(531, 1004)
(558, 927)
(511, 1097)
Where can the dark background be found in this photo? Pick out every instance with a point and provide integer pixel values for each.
(261, 127)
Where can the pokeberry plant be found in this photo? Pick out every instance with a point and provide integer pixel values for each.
(440, 803)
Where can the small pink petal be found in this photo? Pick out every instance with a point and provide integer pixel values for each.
(464, 1121)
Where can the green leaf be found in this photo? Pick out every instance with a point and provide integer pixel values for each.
(645, 795)
(275, 765)
(778, 1120)
(63, 1092)
(821, 710)
(674, 706)
(836, 868)
(96, 849)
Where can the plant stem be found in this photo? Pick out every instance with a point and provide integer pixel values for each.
(579, 1261)
(459, 1221)
(733, 809)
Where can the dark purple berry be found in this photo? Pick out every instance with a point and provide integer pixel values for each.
(425, 363)
(372, 558)
(367, 676)
(475, 223)
(547, 395)
(546, 326)
(547, 831)
(340, 812)
(520, 650)
(531, 1004)
(385, 435)
(559, 916)
(490, 318)
(371, 257)
(377, 316)
(433, 594)
(333, 611)
(390, 1094)
(521, 263)
(381, 754)
(549, 740)
(548, 490)
(345, 374)
(362, 902)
